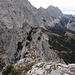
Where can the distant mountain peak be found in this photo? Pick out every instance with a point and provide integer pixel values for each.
(55, 9)
(51, 6)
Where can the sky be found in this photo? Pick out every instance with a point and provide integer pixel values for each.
(66, 6)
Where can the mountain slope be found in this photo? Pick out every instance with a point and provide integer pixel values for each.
(65, 22)
(34, 34)
(62, 41)
(21, 35)
(50, 13)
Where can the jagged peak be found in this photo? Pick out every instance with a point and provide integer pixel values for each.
(41, 8)
(51, 6)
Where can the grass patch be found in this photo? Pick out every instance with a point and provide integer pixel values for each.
(10, 70)
(69, 34)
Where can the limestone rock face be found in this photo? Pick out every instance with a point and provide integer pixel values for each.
(65, 22)
(16, 12)
(27, 42)
(50, 13)
(20, 33)
(15, 15)
(52, 68)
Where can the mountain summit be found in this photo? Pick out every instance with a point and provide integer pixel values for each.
(50, 13)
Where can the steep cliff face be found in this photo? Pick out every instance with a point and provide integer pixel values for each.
(65, 22)
(21, 34)
(16, 12)
(50, 13)
(27, 42)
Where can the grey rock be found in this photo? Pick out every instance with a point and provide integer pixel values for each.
(50, 13)
(50, 68)
(20, 30)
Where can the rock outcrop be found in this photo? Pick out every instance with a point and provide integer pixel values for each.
(50, 13)
(65, 22)
(45, 68)
(52, 68)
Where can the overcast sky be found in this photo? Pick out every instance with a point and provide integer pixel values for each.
(66, 6)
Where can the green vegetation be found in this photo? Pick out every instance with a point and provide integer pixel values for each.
(64, 44)
(50, 32)
(10, 70)
(70, 35)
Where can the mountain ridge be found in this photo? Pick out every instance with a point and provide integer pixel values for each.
(34, 34)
